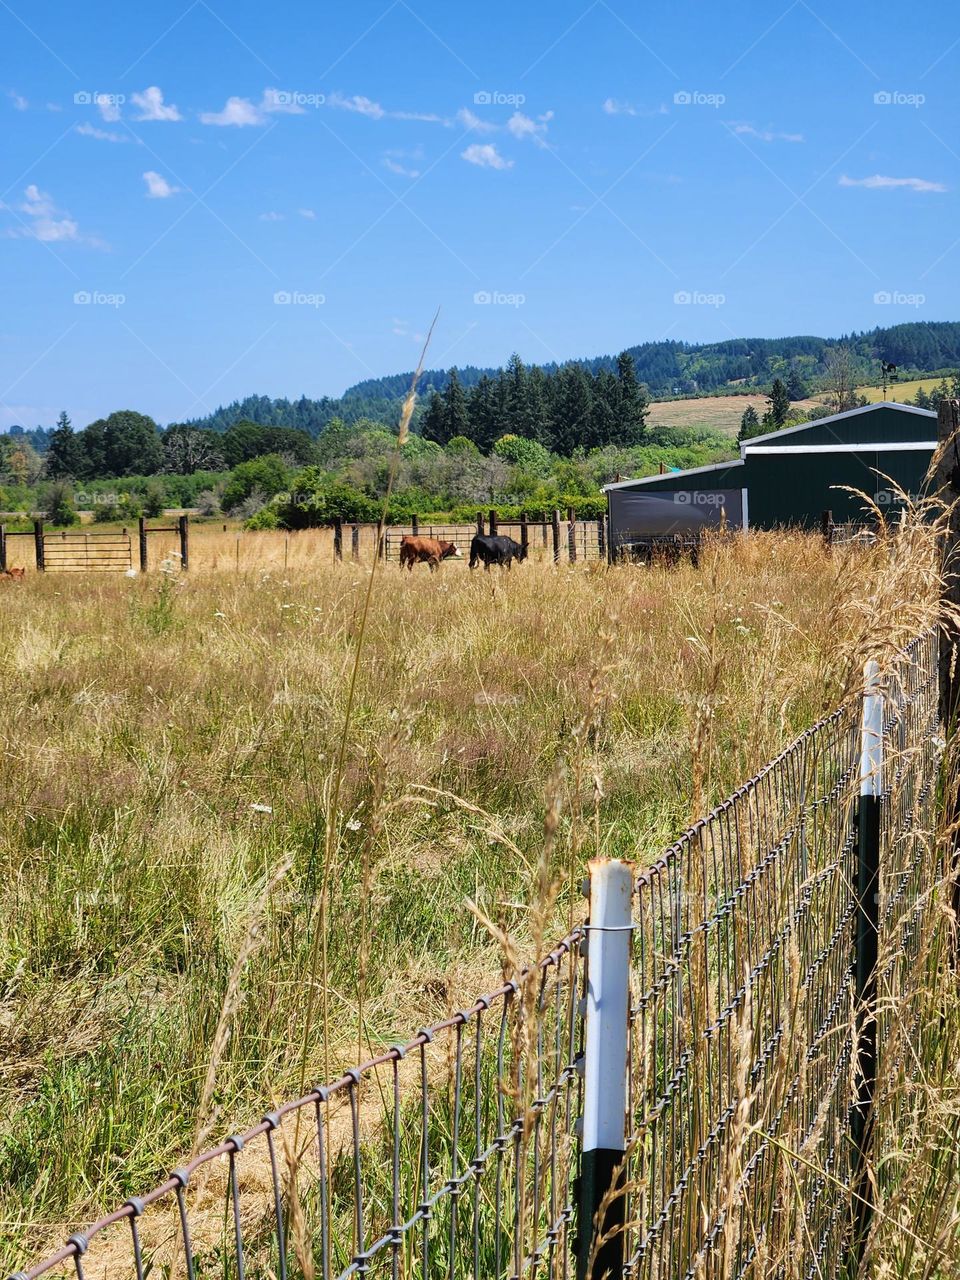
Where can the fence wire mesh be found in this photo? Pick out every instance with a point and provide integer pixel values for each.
(456, 1154)
(744, 1032)
(452, 1155)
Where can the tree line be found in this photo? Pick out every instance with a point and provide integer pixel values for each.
(563, 410)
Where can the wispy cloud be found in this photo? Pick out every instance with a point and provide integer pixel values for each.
(616, 107)
(396, 167)
(158, 188)
(103, 135)
(470, 120)
(47, 222)
(108, 107)
(309, 214)
(241, 112)
(272, 216)
(526, 128)
(486, 156)
(364, 106)
(881, 182)
(19, 101)
(152, 106)
(765, 135)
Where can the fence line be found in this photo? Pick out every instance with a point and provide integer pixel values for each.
(456, 1155)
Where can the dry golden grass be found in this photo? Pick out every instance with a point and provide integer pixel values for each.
(168, 749)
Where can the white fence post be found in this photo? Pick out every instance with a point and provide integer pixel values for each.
(606, 1038)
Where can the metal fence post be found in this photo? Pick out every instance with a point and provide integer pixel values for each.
(337, 538)
(601, 1208)
(556, 537)
(142, 534)
(3, 547)
(183, 529)
(355, 542)
(38, 545)
(866, 940)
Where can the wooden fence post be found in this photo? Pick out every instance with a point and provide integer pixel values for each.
(572, 535)
(601, 539)
(543, 529)
(337, 538)
(355, 542)
(480, 523)
(3, 547)
(524, 534)
(414, 525)
(381, 541)
(556, 537)
(38, 545)
(826, 527)
(142, 532)
(493, 521)
(183, 528)
(946, 488)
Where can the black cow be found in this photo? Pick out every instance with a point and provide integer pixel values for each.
(491, 549)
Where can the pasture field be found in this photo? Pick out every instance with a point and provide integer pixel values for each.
(217, 885)
(720, 413)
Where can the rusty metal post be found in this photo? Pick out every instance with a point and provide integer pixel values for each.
(38, 545)
(142, 531)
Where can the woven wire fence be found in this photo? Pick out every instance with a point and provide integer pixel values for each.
(456, 1154)
(452, 1155)
(739, 1158)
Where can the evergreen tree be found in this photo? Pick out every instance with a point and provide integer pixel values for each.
(483, 413)
(457, 419)
(574, 402)
(433, 424)
(749, 425)
(779, 404)
(65, 459)
(796, 387)
(126, 443)
(632, 404)
(921, 400)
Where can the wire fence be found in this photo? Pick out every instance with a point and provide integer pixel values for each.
(457, 1154)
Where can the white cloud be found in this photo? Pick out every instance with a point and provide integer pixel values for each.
(18, 100)
(471, 121)
(766, 135)
(486, 156)
(374, 111)
(46, 221)
(104, 135)
(523, 127)
(242, 112)
(307, 213)
(236, 111)
(109, 110)
(616, 107)
(158, 188)
(396, 167)
(271, 217)
(153, 107)
(880, 182)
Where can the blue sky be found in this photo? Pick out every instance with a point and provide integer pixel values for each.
(203, 201)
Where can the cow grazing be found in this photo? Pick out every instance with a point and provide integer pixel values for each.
(431, 551)
(488, 549)
(12, 575)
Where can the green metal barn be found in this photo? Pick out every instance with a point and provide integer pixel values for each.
(790, 477)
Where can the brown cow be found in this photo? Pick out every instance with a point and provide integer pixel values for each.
(431, 550)
(12, 575)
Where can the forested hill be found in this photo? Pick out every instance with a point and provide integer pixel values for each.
(666, 368)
